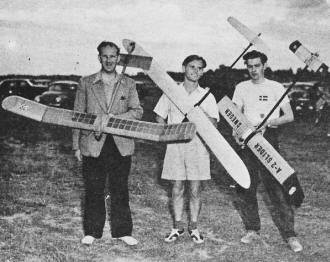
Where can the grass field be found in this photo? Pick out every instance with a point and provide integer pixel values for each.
(41, 191)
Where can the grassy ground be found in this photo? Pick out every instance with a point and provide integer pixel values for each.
(41, 190)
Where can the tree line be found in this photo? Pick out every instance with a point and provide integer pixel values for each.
(221, 81)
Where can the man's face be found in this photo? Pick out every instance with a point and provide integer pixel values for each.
(108, 58)
(256, 68)
(193, 71)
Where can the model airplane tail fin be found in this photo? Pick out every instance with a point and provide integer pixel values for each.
(310, 59)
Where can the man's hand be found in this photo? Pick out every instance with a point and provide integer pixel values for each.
(213, 121)
(98, 128)
(272, 123)
(269, 124)
(160, 120)
(238, 140)
(262, 129)
(78, 155)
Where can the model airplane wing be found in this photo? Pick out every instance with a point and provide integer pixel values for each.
(251, 36)
(262, 149)
(211, 136)
(99, 122)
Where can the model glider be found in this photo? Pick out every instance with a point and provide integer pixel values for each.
(263, 150)
(99, 122)
(211, 136)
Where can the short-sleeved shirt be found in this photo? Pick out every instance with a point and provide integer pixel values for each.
(258, 99)
(189, 160)
(166, 109)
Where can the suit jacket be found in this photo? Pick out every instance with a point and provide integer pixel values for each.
(91, 98)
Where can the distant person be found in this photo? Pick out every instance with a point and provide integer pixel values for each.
(187, 161)
(322, 110)
(255, 98)
(102, 155)
(321, 106)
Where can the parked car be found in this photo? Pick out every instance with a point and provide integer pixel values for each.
(301, 85)
(41, 82)
(20, 87)
(60, 94)
(302, 102)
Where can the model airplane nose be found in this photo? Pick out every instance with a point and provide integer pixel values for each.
(8, 102)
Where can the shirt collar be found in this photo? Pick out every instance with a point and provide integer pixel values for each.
(98, 77)
(198, 89)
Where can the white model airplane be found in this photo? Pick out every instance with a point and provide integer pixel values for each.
(99, 122)
(208, 132)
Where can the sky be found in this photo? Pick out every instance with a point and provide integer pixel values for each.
(61, 36)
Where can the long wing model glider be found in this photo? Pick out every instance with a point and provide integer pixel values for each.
(263, 150)
(211, 136)
(99, 122)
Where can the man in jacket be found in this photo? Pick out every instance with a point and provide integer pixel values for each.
(106, 92)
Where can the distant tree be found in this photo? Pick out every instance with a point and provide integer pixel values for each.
(221, 81)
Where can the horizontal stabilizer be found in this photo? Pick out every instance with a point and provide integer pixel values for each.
(251, 36)
(310, 59)
(135, 61)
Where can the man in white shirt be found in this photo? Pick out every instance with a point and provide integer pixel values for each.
(255, 98)
(187, 161)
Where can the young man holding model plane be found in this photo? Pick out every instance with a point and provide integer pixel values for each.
(187, 161)
(255, 98)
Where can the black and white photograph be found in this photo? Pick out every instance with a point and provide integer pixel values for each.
(164, 130)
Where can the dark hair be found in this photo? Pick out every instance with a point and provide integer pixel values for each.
(255, 54)
(106, 43)
(192, 58)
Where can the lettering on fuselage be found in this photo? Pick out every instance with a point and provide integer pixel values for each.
(267, 158)
(233, 118)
